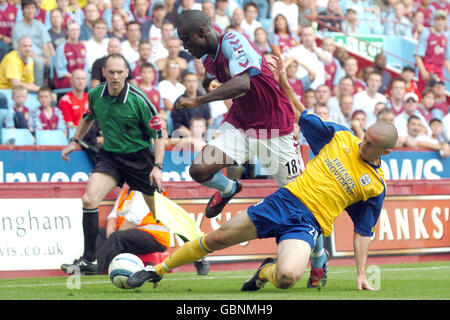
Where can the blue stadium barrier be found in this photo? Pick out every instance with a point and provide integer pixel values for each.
(50, 138)
(18, 137)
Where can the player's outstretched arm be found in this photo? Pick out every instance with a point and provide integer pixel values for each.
(279, 72)
(361, 249)
(233, 88)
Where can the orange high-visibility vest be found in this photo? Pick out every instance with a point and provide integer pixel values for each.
(149, 224)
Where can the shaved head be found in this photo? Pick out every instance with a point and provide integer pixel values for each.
(378, 140)
(193, 20)
(386, 133)
(197, 34)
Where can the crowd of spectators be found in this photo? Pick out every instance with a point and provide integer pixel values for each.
(54, 51)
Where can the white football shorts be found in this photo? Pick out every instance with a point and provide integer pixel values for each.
(279, 156)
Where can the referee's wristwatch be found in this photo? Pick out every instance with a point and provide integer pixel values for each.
(73, 139)
(159, 165)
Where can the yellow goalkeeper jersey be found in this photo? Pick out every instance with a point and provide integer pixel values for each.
(336, 179)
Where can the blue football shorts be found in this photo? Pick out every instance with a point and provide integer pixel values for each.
(283, 216)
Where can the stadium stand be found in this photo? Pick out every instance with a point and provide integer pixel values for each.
(18, 137)
(50, 138)
(360, 29)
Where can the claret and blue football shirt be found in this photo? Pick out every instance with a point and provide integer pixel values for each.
(264, 106)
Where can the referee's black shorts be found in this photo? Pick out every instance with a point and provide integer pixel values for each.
(132, 168)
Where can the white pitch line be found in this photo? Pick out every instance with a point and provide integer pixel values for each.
(212, 278)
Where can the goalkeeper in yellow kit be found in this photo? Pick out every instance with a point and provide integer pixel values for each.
(345, 174)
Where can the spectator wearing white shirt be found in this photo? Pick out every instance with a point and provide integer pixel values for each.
(159, 48)
(401, 121)
(170, 86)
(346, 109)
(345, 87)
(418, 139)
(323, 94)
(130, 47)
(250, 24)
(237, 18)
(446, 128)
(97, 46)
(311, 55)
(367, 99)
(287, 8)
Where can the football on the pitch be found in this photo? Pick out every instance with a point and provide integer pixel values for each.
(123, 266)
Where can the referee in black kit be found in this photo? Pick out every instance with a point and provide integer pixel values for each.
(130, 123)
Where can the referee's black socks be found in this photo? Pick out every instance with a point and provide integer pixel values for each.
(90, 228)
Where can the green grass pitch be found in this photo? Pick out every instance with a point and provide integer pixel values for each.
(418, 281)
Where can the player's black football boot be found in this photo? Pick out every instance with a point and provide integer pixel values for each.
(319, 276)
(80, 265)
(254, 283)
(140, 277)
(217, 202)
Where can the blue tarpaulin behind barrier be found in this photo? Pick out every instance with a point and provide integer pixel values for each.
(47, 166)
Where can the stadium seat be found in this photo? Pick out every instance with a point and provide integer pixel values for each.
(153, 258)
(31, 103)
(267, 24)
(51, 138)
(18, 137)
(71, 132)
(3, 113)
(259, 169)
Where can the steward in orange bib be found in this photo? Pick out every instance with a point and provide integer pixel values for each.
(131, 228)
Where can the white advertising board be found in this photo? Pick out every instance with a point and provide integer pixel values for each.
(40, 234)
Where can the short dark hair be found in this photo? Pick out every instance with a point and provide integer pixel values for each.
(129, 23)
(99, 21)
(28, 2)
(187, 73)
(435, 120)
(144, 41)
(252, 4)
(383, 111)
(147, 65)
(427, 92)
(412, 118)
(192, 20)
(45, 88)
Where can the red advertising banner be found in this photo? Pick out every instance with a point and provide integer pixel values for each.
(407, 225)
(415, 218)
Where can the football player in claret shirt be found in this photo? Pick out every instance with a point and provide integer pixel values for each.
(260, 121)
(345, 174)
(433, 51)
(260, 117)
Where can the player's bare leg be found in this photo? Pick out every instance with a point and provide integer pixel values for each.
(206, 170)
(292, 260)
